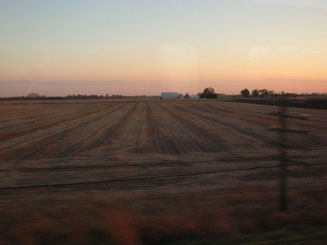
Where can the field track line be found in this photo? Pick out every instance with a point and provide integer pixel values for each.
(270, 120)
(124, 137)
(113, 131)
(169, 140)
(30, 138)
(49, 115)
(213, 145)
(139, 145)
(46, 126)
(21, 125)
(242, 132)
(190, 143)
(264, 118)
(49, 139)
(154, 132)
(72, 148)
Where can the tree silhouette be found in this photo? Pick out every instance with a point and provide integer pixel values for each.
(245, 93)
(208, 93)
(263, 93)
(186, 96)
(33, 95)
(255, 93)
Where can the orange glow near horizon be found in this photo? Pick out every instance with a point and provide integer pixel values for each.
(173, 65)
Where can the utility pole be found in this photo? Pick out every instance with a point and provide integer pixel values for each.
(283, 145)
(283, 156)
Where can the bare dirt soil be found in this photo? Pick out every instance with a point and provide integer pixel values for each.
(149, 150)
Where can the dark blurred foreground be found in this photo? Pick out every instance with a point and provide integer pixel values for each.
(245, 217)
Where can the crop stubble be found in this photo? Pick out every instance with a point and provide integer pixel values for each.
(139, 148)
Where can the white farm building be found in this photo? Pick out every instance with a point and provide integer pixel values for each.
(194, 97)
(169, 95)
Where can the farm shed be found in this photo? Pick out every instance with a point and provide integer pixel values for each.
(169, 95)
(194, 97)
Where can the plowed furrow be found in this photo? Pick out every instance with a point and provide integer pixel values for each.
(139, 144)
(154, 133)
(112, 132)
(81, 142)
(215, 143)
(181, 137)
(48, 146)
(15, 124)
(171, 140)
(250, 136)
(18, 133)
(266, 121)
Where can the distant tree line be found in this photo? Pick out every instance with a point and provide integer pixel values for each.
(264, 93)
(36, 96)
(93, 96)
(208, 93)
(264, 97)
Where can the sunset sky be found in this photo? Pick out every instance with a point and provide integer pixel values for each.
(136, 47)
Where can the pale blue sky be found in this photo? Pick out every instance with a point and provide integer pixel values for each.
(181, 45)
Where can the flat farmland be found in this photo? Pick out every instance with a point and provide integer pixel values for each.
(153, 149)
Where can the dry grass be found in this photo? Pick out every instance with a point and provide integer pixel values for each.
(156, 222)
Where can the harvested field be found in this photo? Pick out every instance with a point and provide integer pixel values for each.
(143, 149)
(157, 172)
